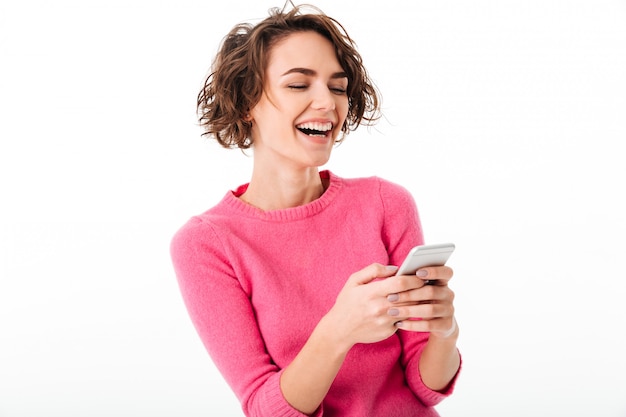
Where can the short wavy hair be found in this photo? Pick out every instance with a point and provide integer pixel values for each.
(236, 81)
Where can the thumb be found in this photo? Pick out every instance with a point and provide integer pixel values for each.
(372, 272)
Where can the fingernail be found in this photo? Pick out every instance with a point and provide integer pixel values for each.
(393, 311)
(422, 273)
(393, 298)
(391, 268)
(398, 324)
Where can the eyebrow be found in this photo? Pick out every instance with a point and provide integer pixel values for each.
(310, 72)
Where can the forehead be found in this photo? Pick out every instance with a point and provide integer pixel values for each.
(303, 49)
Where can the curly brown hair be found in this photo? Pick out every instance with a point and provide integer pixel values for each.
(236, 81)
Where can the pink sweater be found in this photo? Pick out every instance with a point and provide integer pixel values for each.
(256, 283)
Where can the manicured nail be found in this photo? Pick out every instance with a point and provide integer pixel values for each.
(422, 273)
(391, 268)
(392, 298)
(393, 311)
(398, 324)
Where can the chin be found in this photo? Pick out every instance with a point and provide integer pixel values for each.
(319, 162)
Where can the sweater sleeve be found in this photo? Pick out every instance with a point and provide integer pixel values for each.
(403, 231)
(222, 314)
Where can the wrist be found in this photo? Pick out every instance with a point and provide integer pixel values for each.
(328, 333)
(451, 334)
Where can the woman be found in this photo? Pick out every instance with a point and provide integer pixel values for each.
(290, 279)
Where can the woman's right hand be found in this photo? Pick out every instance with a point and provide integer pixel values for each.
(361, 312)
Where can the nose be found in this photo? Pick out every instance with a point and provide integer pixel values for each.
(323, 98)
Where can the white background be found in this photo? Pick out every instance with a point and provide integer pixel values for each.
(506, 120)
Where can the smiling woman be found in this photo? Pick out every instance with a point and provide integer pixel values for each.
(302, 260)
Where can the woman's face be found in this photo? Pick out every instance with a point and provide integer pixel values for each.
(304, 103)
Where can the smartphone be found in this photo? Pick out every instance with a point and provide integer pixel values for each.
(425, 255)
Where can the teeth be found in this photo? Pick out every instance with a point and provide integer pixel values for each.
(320, 127)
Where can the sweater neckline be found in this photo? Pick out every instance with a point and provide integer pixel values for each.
(293, 213)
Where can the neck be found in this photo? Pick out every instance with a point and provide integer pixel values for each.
(283, 189)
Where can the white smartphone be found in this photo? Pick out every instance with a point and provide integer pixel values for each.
(426, 255)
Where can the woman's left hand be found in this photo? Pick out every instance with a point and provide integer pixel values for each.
(428, 308)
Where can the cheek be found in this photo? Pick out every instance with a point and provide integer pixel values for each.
(342, 108)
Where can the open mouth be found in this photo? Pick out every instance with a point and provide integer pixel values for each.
(315, 128)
